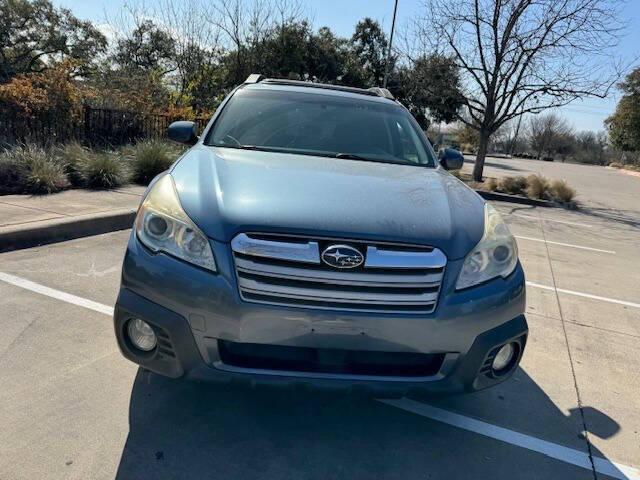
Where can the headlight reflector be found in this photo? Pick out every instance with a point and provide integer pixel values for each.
(162, 225)
(496, 255)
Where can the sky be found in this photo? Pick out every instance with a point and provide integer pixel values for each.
(342, 15)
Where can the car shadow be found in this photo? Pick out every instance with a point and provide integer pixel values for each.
(182, 429)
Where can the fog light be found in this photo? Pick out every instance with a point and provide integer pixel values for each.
(504, 357)
(141, 335)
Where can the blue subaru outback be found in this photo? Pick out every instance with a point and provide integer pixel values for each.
(312, 236)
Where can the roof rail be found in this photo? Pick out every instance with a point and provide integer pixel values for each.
(373, 91)
(382, 92)
(326, 86)
(254, 78)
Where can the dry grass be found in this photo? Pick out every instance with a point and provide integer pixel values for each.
(537, 186)
(560, 191)
(533, 186)
(512, 185)
(491, 184)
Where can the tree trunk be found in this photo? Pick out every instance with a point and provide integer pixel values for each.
(482, 153)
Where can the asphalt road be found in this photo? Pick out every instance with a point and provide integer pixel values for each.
(72, 408)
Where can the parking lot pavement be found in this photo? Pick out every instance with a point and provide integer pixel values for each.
(72, 407)
(608, 196)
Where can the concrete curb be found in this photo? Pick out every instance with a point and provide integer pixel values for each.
(503, 197)
(32, 234)
(44, 232)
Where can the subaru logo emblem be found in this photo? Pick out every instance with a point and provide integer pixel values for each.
(342, 256)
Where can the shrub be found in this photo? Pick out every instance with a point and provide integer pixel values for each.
(615, 165)
(52, 92)
(46, 175)
(512, 185)
(103, 170)
(13, 173)
(151, 158)
(31, 169)
(560, 191)
(73, 157)
(492, 184)
(537, 186)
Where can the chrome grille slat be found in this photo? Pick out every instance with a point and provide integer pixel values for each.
(278, 271)
(369, 304)
(383, 258)
(339, 277)
(312, 294)
(300, 252)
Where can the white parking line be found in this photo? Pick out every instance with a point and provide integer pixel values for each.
(550, 220)
(564, 244)
(584, 295)
(553, 450)
(550, 449)
(53, 293)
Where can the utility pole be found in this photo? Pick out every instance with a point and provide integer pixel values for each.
(393, 26)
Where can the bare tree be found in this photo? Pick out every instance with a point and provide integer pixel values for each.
(549, 134)
(195, 40)
(245, 23)
(523, 56)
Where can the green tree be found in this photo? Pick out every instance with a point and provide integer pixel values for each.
(147, 48)
(325, 56)
(624, 124)
(199, 79)
(283, 52)
(369, 47)
(34, 35)
(429, 88)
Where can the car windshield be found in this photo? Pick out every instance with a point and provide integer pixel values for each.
(319, 124)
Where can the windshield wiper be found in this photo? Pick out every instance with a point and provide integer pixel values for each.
(352, 156)
(250, 147)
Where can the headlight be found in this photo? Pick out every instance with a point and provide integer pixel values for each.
(162, 225)
(496, 255)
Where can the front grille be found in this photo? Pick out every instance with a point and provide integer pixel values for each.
(326, 360)
(285, 270)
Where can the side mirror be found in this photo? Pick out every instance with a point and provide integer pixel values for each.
(183, 132)
(450, 159)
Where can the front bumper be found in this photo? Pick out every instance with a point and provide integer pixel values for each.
(191, 310)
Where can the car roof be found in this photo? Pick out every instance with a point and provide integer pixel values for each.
(375, 94)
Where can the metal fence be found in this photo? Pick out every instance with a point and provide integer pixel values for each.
(100, 127)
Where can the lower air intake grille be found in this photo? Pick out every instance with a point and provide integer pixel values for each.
(285, 270)
(325, 360)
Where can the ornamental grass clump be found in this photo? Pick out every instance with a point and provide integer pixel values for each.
(31, 169)
(537, 186)
(73, 156)
(151, 157)
(512, 185)
(560, 191)
(103, 170)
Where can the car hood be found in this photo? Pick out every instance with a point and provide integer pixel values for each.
(226, 191)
